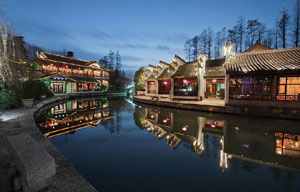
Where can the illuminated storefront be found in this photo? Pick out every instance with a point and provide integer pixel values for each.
(268, 77)
(66, 75)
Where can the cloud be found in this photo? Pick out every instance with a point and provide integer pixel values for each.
(134, 46)
(97, 34)
(163, 47)
(131, 58)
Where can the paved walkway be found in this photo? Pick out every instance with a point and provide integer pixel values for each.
(207, 101)
(21, 121)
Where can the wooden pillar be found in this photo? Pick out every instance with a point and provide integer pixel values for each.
(156, 87)
(274, 87)
(146, 88)
(227, 77)
(172, 88)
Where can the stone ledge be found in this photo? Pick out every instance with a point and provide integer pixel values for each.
(36, 166)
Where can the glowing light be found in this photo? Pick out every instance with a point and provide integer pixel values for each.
(214, 80)
(185, 128)
(185, 81)
(165, 83)
(213, 126)
(152, 116)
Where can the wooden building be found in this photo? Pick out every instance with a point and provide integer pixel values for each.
(264, 77)
(67, 75)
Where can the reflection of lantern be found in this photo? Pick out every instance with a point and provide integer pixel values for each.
(152, 116)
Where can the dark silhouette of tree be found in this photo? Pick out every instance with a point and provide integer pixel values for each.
(240, 31)
(253, 32)
(195, 48)
(209, 42)
(203, 41)
(296, 24)
(188, 49)
(283, 24)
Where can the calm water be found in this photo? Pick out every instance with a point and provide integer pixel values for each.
(119, 146)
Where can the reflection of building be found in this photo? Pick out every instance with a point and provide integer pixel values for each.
(64, 75)
(249, 140)
(73, 115)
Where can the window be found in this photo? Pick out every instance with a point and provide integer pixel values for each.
(186, 86)
(288, 89)
(250, 87)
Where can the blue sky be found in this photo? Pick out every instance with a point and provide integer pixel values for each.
(144, 31)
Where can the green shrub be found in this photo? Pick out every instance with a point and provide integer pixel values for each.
(33, 89)
(8, 99)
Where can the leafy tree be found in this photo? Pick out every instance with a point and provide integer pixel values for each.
(139, 79)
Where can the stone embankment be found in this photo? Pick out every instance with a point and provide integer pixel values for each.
(258, 111)
(21, 121)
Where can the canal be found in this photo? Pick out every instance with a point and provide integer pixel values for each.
(121, 146)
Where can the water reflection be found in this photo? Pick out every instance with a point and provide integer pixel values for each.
(268, 142)
(67, 117)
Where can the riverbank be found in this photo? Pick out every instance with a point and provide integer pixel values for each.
(218, 106)
(21, 121)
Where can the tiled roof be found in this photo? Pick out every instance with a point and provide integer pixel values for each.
(257, 47)
(54, 58)
(176, 56)
(214, 68)
(65, 59)
(166, 74)
(151, 77)
(265, 61)
(186, 70)
(164, 63)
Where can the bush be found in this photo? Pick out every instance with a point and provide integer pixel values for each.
(8, 99)
(33, 89)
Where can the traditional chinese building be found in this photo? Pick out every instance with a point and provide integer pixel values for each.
(187, 81)
(214, 78)
(158, 78)
(264, 77)
(67, 75)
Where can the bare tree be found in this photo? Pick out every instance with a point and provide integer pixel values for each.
(240, 30)
(296, 24)
(195, 48)
(276, 34)
(218, 45)
(269, 37)
(209, 42)
(12, 57)
(203, 41)
(283, 24)
(188, 49)
(253, 32)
